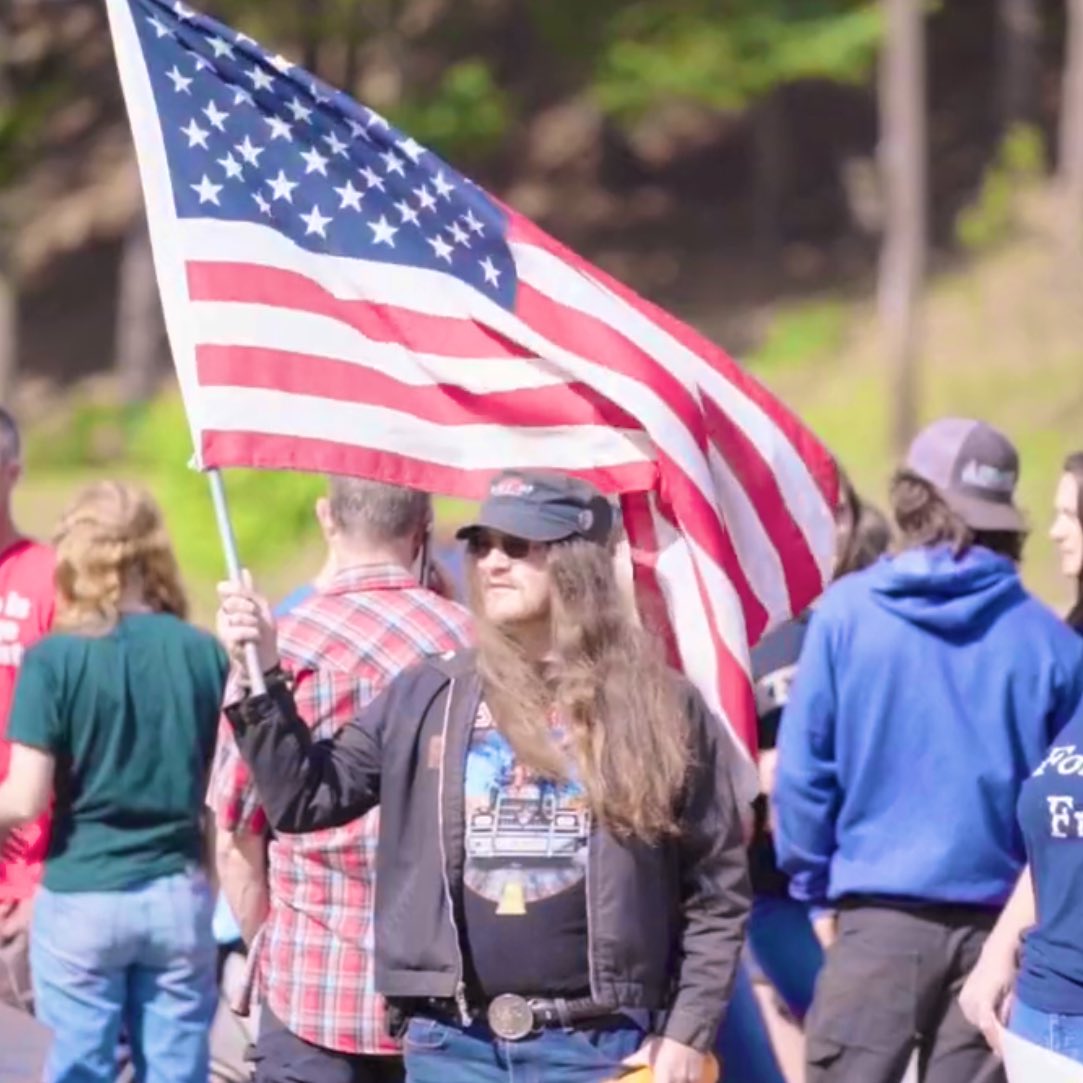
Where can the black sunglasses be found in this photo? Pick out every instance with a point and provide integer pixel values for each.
(481, 543)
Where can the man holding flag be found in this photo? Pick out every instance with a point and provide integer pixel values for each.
(561, 880)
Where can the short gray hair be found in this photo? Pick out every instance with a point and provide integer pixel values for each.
(10, 441)
(377, 512)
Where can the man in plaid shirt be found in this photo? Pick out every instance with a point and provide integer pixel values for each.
(313, 894)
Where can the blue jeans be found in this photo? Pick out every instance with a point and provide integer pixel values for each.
(144, 958)
(786, 950)
(744, 1045)
(438, 1052)
(1062, 1034)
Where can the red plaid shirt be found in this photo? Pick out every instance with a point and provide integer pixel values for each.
(343, 645)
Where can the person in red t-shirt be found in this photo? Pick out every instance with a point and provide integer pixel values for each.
(26, 612)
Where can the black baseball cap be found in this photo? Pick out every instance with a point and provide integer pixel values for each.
(543, 507)
(974, 468)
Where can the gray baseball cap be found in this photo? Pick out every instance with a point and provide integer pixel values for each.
(974, 468)
(544, 507)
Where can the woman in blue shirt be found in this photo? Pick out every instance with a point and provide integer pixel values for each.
(1030, 976)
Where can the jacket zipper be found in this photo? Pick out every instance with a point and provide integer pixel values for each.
(460, 986)
(590, 922)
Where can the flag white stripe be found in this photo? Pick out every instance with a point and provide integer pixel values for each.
(232, 323)
(467, 447)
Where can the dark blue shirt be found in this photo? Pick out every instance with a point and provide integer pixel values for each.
(1051, 815)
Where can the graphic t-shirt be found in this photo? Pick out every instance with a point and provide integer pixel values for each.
(26, 612)
(131, 718)
(1051, 816)
(525, 903)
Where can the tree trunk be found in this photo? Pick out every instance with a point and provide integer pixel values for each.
(903, 161)
(768, 176)
(1019, 32)
(1071, 130)
(312, 27)
(140, 327)
(9, 327)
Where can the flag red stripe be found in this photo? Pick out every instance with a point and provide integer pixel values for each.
(256, 284)
(643, 540)
(740, 452)
(270, 451)
(444, 404)
(589, 337)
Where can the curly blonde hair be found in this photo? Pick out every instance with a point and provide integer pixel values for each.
(626, 725)
(112, 536)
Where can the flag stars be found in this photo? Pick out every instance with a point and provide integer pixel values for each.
(221, 48)
(282, 187)
(318, 95)
(215, 117)
(372, 179)
(244, 39)
(377, 121)
(383, 232)
(261, 202)
(425, 198)
(159, 28)
(412, 149)
(459, 235)
(280, 63)
(335, 145)
(393, 163)
(491, 271)
(207, 192)
(233, 168)
(280, 129)
(249, 151)
(441, 249)
(242, 97)
(197, 137)
(300, 111)
(443, 187)
(473, 224)
(315, 162)
(260, 79)
(183, 12)
(182, 84)
(409, 215)
(316, 223)
(359, 131)
(201, 62)
(350, 196)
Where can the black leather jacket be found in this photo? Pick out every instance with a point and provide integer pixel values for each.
(666, 921)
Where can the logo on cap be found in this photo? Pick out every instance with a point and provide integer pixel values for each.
(984, 476)
(511, 487)
(586, 519)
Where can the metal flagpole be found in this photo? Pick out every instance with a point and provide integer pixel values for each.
(233, 566)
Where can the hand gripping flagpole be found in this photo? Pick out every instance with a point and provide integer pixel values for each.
(233, 566)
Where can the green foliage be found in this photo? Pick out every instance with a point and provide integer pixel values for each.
(690, 51)
(804, 333)
(991, 217)
(466, 116)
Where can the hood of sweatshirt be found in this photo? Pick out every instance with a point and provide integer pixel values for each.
(954, 597)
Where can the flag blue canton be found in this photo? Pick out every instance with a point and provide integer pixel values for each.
(251, 137)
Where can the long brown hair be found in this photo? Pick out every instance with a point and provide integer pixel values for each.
(112, 534)
(1074, 465)
(626, 729)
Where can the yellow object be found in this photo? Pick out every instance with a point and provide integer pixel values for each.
(512, 899)
(645, 1075)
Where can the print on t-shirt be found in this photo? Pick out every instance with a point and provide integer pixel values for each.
(526, 836)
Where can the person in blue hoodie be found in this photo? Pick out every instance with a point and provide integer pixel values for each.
(930, 686)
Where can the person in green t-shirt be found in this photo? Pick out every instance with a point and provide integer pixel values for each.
(116, 715)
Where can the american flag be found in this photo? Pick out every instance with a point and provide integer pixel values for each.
(339, 299)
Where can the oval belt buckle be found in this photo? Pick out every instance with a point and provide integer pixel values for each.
(511, 1017)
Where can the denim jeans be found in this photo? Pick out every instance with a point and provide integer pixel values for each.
(744, 1044)
(1061, 1034)
(438, 1052)
(143, 958)
(784, 947)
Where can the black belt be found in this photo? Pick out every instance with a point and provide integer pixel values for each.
(514, 1017)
